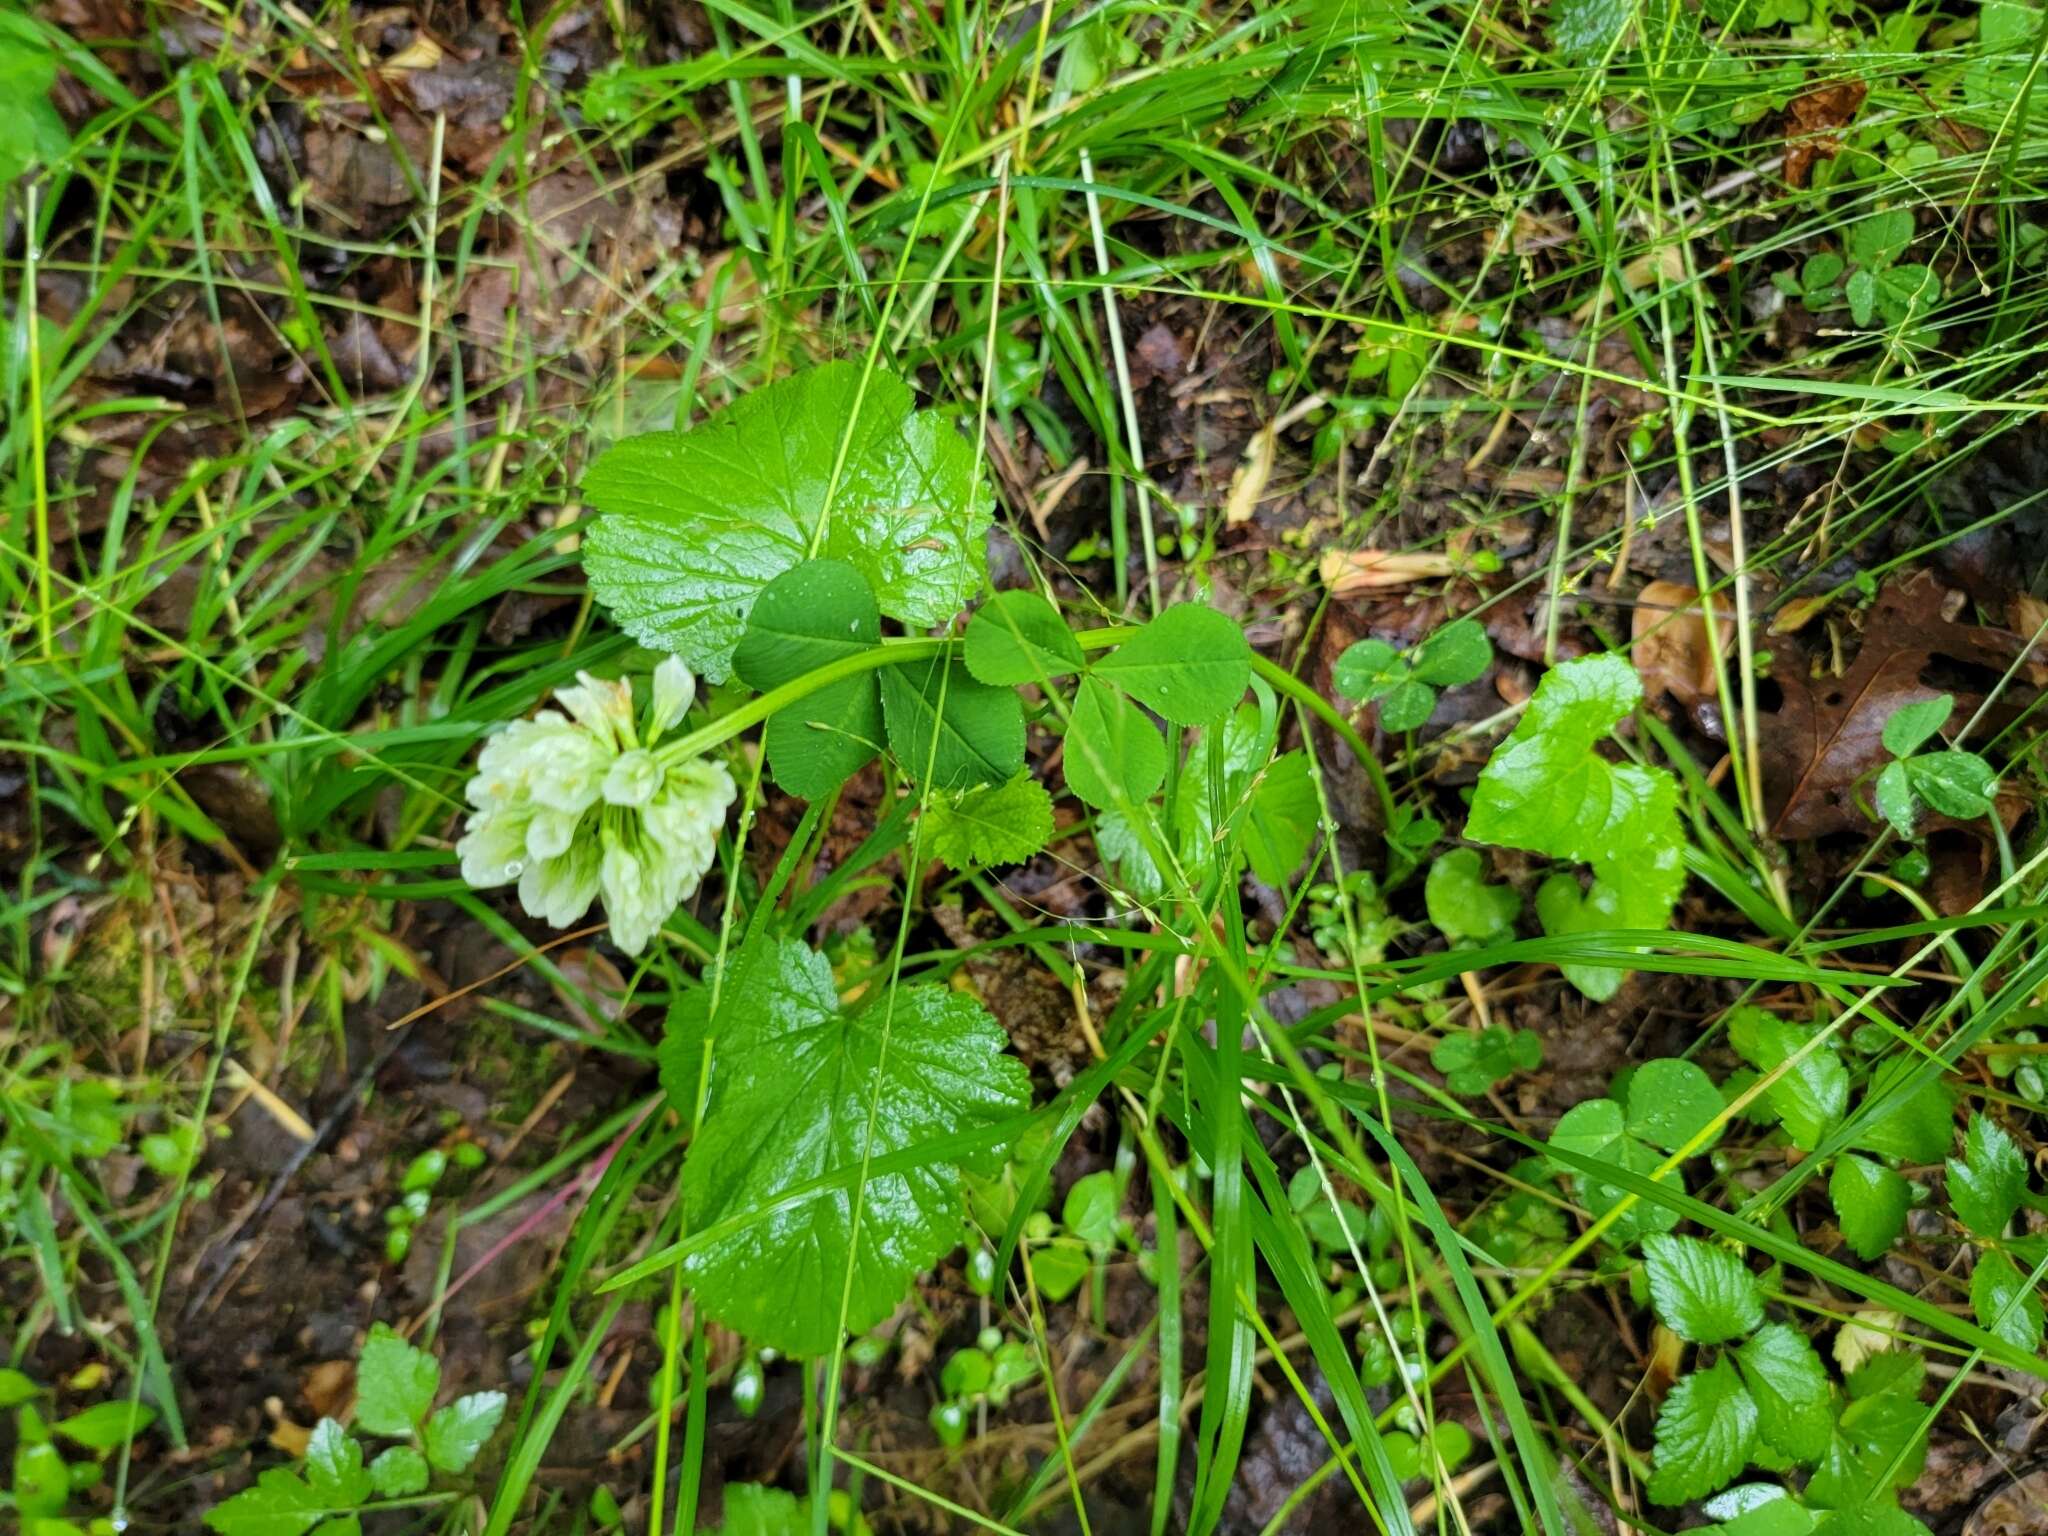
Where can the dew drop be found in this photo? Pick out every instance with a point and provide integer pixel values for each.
(515, 869)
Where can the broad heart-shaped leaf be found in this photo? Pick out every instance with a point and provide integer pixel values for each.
(1189, 665)
(801, 1091)
(1456, 654)
(1547, 790)
(1019, 637)
(2004, 1302)
(1702, 1293)
(1280, 818)
(1114, 755)
(696, 523)
(1463, 906)
(1870, 1203)
(811, 615)
(1671, 1101)
(1704, 1434)
(456, 1433)
(948, 730)
(996, 824)
(395, 1384)
(279, 1505)
(334, 1465)
(1795, 1404)
(1986, 1185)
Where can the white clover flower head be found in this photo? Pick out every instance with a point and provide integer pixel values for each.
(583, 805)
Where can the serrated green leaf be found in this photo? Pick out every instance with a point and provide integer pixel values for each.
(1463, 906)
(1368, 670)
(1189, 665)
(1957, 784)
(1114, 755)
(1810, 1097)
(1795, 1402)
(1455, 655)
(1909, 726)
(1880, 1441)
(996, 824)
(1281, 818)
(1870, 1204)
(978, 730)
(1704, 1434)
(1019, 637)
(1986, 1186)
(2004, 1302)
(280, 1504)
(1670, 1101)
(1702, 1293)
(104, 1426)
(334, 1465)
(1915, 1127)
(696, 523)
(395, 1384)
(399, 1472)
(808, 617)
(457, 1432)
(801, 1090)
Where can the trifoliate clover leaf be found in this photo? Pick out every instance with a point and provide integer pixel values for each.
(395, 1384)
(1671, 1102)
(1704, 1434)
(949, 731)
(1596, 1130)
(1019, 637)
(457, 1432)
(811, 615)
(1465, 909)
(696, 523)
(1114, 755)
(996, 824)
(2004, 1302)
(1700, 1292)
(1795, 1402)
(1405, 686)
(399, 1472)
(1473, 1063)
(1189, 665)
(1870, 1203)
(805, 1094)
(1986, 1185)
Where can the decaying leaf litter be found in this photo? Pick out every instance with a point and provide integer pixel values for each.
(336, 319)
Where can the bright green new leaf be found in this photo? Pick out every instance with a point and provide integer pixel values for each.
(15, 1388)
(995, 824)
(696, 523)
(1909, 726)
(811, 615)
(1705, 1432)
(1671, 1101)
(1640, 899)
(1810, 1096)
(399, 1472)
(1019, 637)
(1114, 754)
(802, 1091)
(1455, 655)
(2004, 1302)
(752, 1510)
(334, 1465)
(458, 1431)
(1702, 1293)
(395, 1384)
(1281, 817)
(1465, 909)
(949, 731)
(104, 1426)
(1189, 665)
(1058, 1268)
(1089, 1211)
(280, 1504)
(1985, 1187)
(1779, 1516)
(1870, 1204)
(1795, 1402)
